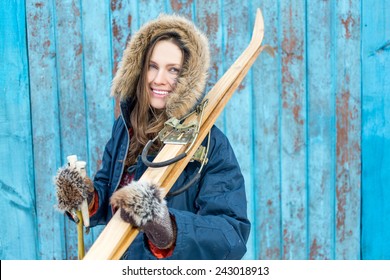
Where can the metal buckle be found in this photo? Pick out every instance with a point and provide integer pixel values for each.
(201, 155)
(180, 137)
(175, 132)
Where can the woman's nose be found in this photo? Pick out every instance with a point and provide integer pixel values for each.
(161, 77)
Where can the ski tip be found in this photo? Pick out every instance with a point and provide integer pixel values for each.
(258, 13)
(258, 30)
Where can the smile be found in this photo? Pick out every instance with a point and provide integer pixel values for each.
(160, 92)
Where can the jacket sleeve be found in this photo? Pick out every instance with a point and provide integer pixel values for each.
(220, 228)
(102, 181)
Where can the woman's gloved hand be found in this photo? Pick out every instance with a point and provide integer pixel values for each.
(72, 189)
(143, 206)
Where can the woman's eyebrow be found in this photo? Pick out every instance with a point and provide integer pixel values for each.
(169, 64)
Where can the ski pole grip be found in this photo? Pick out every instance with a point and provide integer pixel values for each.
(72, 159)
(148, 163)
(81, 167)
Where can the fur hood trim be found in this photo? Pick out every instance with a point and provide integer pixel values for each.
(192, 80)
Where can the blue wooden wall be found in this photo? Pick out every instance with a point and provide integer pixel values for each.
(309, 127)
(376, 130)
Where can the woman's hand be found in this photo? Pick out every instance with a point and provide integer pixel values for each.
(141, 204)
(72, 189)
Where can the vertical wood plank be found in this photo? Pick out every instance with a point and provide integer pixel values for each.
(293, 130)
(18, 233)
(124, 22)
(46, 130)
(149, 10)
(70, 78)
(348, 122)
(321, 119)
(266, 103)
(99, 110)
(238, 114)
(376, 130)
(181, 7)
(209, 20)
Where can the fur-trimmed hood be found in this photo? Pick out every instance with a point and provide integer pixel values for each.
(192, 80)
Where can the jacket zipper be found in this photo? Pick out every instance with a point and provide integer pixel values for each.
(124, 159)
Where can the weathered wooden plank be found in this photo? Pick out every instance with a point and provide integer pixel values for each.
(18, 234)
(348, 128)
(149, 10)
(209, 20)
(321, 120)
(182, 7)
(238, 113)
(293, 130)
(99, 110)
(45, 126)
(69, 53)
(266, 153)
(124, 22)
(375, 36)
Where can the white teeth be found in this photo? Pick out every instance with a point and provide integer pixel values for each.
(160, 92)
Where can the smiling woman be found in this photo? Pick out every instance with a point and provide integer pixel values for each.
(164, 66)
(163, 75)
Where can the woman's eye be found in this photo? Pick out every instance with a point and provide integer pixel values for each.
(174, 70)
(153, 66)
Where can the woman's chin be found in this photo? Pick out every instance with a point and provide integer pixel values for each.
(157, 103)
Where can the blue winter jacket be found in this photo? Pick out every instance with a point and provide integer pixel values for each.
(211, 216)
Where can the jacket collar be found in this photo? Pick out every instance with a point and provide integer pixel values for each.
(126, 106)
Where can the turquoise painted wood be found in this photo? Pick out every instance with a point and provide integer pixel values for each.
(293, 123)
(123, 22)
(70, 78)
(266, 150)
(46, 128)
(18, 201)
(309, 126)
(348, 121)
(376, 130)
(320, 134)
(99, 106)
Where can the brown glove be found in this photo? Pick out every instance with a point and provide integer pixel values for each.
(72, 189)
(142, 206)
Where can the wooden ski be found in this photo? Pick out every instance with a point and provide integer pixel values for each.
(118, 235)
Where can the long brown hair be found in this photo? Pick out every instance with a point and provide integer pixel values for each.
(146, 121)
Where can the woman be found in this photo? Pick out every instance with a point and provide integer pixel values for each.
(163, 74)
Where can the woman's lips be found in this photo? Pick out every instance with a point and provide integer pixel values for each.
(160, 92)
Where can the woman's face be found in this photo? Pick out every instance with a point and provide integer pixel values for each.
(163, 70)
